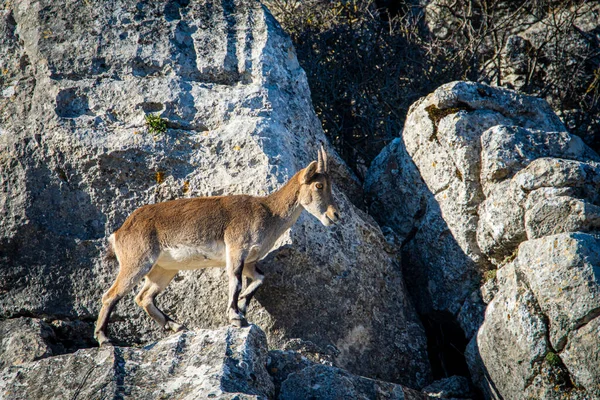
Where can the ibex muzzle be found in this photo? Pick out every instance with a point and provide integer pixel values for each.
(156, 241)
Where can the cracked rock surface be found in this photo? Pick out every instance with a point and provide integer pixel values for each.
(503, 186)
(76, 158)
(226, 363)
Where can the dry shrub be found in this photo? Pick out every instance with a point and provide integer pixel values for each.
(367, 61)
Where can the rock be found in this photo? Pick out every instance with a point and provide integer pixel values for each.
(25, 339)
(563, 272)
(227, 363)
(452, 387)
(324, 382)
(526, 176)
(508, 149)
(511, 356)
(281, 364)
(512, 190)
(581, 356)
(394, 179)
(76, 158)
(442, 135)
(512, 342)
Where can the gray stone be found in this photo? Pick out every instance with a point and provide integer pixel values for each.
(451, 387)
(442, 136)
(25, 339)
(509, 349)
(76, 159)
(516, 162)
(508, 149)
(500, 176)
(299, 375)
(227, 363)
(394, 181)
(281, 364)
(329, 383)
(563, 272)
(546, 299)
(582, 358)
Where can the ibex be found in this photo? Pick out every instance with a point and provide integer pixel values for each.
(158, 240)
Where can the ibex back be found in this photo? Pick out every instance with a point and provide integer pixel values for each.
(158, 240)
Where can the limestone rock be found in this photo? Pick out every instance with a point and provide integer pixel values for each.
(393, 179)
(329, 383)
(563, 272)
(505, 186)
(531, 180)
(25, 339)
(76, 158)
(582, 358)
(442, 135)
(227, 363)
(512, 342)
(511, 356)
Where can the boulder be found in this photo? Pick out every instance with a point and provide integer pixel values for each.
(442, 136)
(563, 272)
(531, 180)
(512, 341)
(581, 356)
(519, 352)
(513, 191)
(226, 363)
(77, 157)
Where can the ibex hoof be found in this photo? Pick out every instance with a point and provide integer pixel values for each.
(174, 326)
(102, 340)
(238, 322)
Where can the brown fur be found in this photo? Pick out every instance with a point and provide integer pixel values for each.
(234, 231)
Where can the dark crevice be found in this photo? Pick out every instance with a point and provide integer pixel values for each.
(592, 314)
(67, 335)
(446, 344)
(418, 217)
(120, 373)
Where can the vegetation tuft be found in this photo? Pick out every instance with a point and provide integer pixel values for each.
(489, 275)
(553, 359)
(155, 124)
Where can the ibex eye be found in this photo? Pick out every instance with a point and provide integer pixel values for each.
(319, 186)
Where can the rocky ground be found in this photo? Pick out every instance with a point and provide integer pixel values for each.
(479, 238)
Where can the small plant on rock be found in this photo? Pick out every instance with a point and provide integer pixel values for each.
(156, 125)
(553, 359)
(489, 275)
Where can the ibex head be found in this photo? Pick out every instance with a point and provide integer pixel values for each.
(315, 193)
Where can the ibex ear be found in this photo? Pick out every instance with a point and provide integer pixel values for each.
(309, 172)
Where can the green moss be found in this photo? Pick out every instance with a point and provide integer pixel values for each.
(155, 124)
(553, 359)
(489, 275)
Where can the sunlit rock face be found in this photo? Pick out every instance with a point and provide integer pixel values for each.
(486, 179)
(76, 158)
